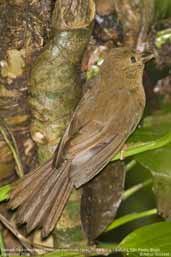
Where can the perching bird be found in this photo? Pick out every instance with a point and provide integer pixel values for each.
(107, 114)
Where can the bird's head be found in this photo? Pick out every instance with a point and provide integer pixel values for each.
(126, 64)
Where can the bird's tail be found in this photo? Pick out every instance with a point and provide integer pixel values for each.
(41, 197)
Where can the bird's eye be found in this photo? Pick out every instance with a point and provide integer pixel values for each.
(133, 59)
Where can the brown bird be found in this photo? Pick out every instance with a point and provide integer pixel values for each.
(107, 114)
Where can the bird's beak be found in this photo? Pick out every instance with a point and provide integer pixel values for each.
(147, 58)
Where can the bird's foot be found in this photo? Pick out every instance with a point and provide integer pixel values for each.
(122, 156)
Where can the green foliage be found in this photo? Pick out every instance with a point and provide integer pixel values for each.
(2, 246)
(158, 161)
(152, 134)
(163, 9)
(152, 240)
(129, 217)
(163, 37)
(4, 193)
(159, 164)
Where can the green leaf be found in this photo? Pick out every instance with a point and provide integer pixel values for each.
(154, 127)
(2, 246)
(130, 217)
(163, 37)
(163, 8)
(151, 146)
(153, 134)
(4, 193)
(159, 163)
(150, 240)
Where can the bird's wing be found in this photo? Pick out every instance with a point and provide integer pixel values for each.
(95, 136)
(80, 120)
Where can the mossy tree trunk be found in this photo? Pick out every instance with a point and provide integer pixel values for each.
(55, 89)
